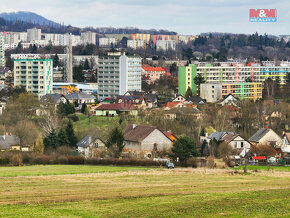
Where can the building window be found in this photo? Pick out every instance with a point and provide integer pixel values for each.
(236, 144)
(242, 144)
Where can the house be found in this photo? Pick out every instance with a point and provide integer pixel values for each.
(54, 98)
(2, 107)
(152, 74)
(196, 100)
(145, 141)
(114, 109)
(266, 136)
(80, 98)
(176, 104)
(138, 101)
(11, 143)
(171, 136)
(88, 145)
(235, 140)
(179, 98)
(229, 100)
(150, 98)
(286, 140)
(174, 113)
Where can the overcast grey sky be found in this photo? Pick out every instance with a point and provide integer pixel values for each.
(182, 16)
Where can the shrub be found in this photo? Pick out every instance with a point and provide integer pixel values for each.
(41, 159)
(4, 161)
(75, 160)
(123, 162)
(62, 160)
(192, 162)
(26, 158)
(65, 150)
(210, 162)
(16, 160)
(245, 169)
(73, 117)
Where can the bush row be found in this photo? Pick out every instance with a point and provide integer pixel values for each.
(123, 162)
(19, 159)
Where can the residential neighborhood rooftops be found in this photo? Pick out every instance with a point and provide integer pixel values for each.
(52, 97)
(219, 135)
(116, 106)
(79, 95)
(6, 141)
(259, 134)
(146, 68)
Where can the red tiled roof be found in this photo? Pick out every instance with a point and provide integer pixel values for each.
(116, 107)
(149, 69)
(259, 158)
(172, 104)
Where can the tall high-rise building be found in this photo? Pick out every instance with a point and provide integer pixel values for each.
(33, 34)
(36, 75)
(117, 74)
(88, 37)
(2, 51)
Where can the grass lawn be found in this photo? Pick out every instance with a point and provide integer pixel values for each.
(146, 193)
(39, 170)
(270, 168)
(95, 121)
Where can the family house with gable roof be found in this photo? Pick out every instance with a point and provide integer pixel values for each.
(143, 141)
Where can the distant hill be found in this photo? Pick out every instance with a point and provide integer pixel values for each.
(28, 17)
(23, 20)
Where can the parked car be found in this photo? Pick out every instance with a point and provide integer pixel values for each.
(170, 165)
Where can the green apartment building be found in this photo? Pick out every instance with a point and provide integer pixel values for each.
(36, 75)
(228, 74)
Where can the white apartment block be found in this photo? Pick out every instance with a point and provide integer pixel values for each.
(135, 44)
(36, 75)
(117, 74)
(107, 42)
(165, 45)
(211, 92)
(2, 51)
(33, 34)
(88, 38)
(64, 39)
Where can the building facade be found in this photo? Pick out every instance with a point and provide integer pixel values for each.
(213, 92)
(107, 42)
(2, 51)
(134, 44)
(117, 74)
(141, 36)
(33, 34)
(151, 74)
(88, 37)
(165, 45)
(228, 74)
(36, 75)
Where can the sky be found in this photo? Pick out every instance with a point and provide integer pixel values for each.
(188, 17)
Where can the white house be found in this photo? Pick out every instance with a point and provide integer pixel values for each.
(266, 136)
(143, 141)
(89, 144)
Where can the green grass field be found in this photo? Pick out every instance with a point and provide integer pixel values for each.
(276, 168)
(42, 170)
(52, 191)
